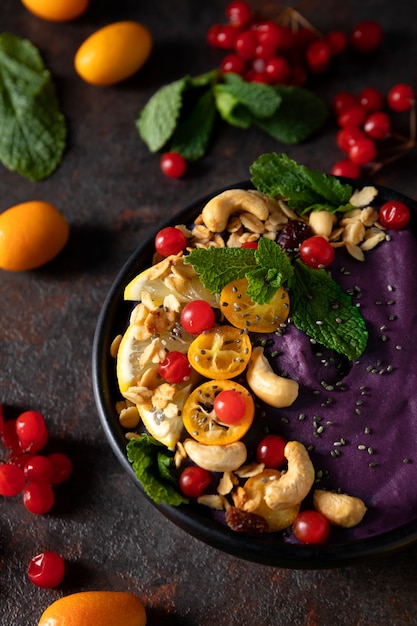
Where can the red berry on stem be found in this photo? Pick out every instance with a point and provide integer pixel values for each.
(62, 467)
(275, 35)
(366, 36)
(371, 99)
(318, 56)
(355, 116)
(377, 125)
(12, 480)
(9, 437)
(222, 36)
(31, 429)
(346, 137)
(170, 240)
(46, 570)
(173, 164)
(246, 44)
(347, 168)
(277, 70)
(401, 98)
(38, 468)
(343, 101)
(363, 151)
(239, 13)
(394, 215)
(38, 498)
(233, 63)
(337, 40)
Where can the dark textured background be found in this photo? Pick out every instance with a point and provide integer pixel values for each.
(110, 189)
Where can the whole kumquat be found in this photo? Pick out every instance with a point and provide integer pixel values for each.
(57, 10)
(31, 234)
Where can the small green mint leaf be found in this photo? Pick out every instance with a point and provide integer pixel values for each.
(259, 99)
(230, 110)
(271, 258)
(300, 115)
(260, 289)
(193, 134)
(148, 458)
(279, 176)
(33, 129)
(159, 117)
(217, 267)
(325, 313)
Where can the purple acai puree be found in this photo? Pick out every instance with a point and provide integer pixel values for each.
(359, 420)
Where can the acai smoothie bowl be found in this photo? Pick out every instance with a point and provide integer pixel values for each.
(253, 368)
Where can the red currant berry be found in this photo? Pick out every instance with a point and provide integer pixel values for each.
(229, 407)
(62, 467)
(175, 368)
(401, 98)
(9, 437)
(366, 36)
(46, 570)
(318, 56)
(222, 36)
(371, 99)
(173, 164)
(197, 316)
(311, 527)
(20, 459)
(12, 480)
(170, 240)
(30, 428)
(343, 101)
(270, 451)
(38, 498)
(246, 44)
(347, 168)
(337, 40)
(346, 137)
(363, 151)
(277, 70)
(316, 252)
(38, 468)
(275, 35)
(239, 13)
(355, 116)
(233, 63)
(377, 125)
(394, 215)
(194, 481)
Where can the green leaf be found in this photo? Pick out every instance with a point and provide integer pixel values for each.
(217, 267)
(148, 457)
(325, 313)
(231, 110)
(304, 189)
(259, 99)
(159, 117)
(274, 269)
(32, 127)
(300, 115)
(193, 134)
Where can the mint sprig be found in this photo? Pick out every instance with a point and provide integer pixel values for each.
(33, 129)
(181, 116)
(318, 306)
(303, 188)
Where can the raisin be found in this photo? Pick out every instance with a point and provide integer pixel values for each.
(293, 234)
(244, 522)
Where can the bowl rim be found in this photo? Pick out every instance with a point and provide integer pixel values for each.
(262, 549)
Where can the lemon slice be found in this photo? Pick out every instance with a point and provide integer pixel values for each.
(169, 277)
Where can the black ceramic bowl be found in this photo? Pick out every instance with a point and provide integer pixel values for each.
(197, 520)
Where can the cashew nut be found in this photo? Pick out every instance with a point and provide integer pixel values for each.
(339, 508)
(216, 458)
(293, 486)
(217, 211)
(275, 390)
(322, 222)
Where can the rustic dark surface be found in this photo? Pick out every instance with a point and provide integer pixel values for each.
(110, 189)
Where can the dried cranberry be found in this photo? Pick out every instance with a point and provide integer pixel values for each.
(293, 234)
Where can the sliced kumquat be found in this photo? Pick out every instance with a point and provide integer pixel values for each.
(221, 352)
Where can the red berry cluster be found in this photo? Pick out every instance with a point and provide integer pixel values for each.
(365, 128)
(26, 471)
(284, 50)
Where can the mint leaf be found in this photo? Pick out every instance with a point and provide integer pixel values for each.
(148, 456)
(274, 269)
(325, 313)
(32, 127)
(158, 119)
(217, 267)
(304, 189)
(192, 135)
(300, 114)
(231, 110)
(259, 99)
